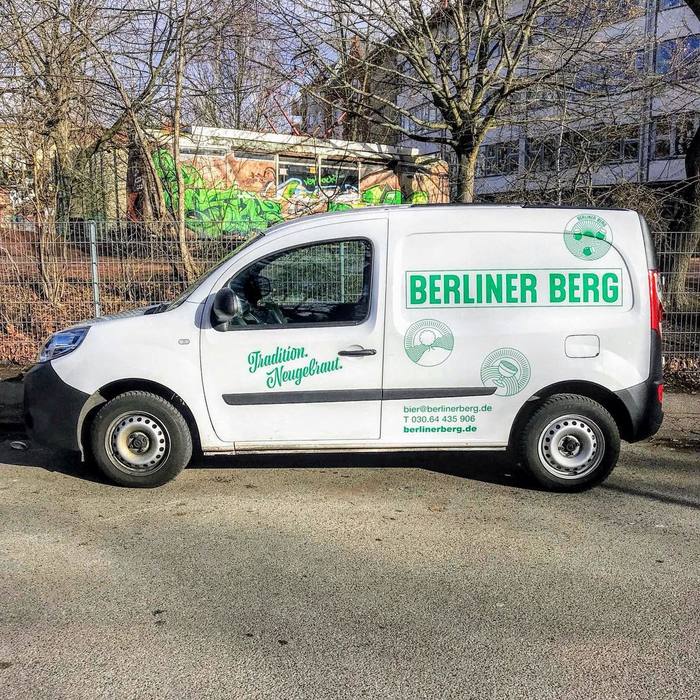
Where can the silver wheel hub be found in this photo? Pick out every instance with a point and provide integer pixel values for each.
(137, 443)
(571, 446)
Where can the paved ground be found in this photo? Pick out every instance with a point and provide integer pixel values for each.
(681, 423)
(379, 576)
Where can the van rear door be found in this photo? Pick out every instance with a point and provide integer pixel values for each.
(488, 306)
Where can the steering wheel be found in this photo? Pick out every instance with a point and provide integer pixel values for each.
(276, 313)
(263, 315)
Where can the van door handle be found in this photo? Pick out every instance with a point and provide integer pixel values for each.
(360, 352)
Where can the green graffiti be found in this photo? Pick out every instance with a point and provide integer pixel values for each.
(418, 197)
(381, 194)
(214, 211)
(219, 208)
(339, 206)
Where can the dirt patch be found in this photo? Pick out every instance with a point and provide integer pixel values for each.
(690, 442)
(12, 372)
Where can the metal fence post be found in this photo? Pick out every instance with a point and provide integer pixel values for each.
(342, 272)
(95, 274)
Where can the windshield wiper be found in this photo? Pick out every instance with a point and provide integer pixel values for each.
(157, 309)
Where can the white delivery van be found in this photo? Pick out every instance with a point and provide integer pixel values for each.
(397, 328)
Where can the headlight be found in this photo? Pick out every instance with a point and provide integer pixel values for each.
(62, 343)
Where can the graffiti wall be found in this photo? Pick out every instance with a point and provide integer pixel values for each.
(238, 193)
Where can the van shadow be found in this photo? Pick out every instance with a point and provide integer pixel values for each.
(54, 461)
(489, 467)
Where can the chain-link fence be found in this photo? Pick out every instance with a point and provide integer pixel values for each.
(679, 262)
(54, 275)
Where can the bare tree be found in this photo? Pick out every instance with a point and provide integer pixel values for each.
(443, 73)
(180, 65)
(76, 76)
(236, 79)
(45, 113)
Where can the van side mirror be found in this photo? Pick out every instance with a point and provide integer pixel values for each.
(227, 305)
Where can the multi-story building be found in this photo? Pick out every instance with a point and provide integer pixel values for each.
(641, 134)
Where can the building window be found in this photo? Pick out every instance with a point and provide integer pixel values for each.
(623, 9)
(678, 55)
(611, 76)
(630, 147)
(619, 147)
(685, 127)
(425, 112)
(204, 151)
(661, 129)
(672, 135)
(406, 123)
(405, 67)
(498, 159)
(555, 153)
(339, 179)
(297, 177)
(248, 155)
(669, 4)
(540, 155)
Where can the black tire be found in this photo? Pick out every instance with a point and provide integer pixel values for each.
(569, 443)
(140, 440)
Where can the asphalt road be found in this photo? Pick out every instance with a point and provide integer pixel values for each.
(394, 576)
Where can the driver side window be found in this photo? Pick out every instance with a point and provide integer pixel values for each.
(322, 283)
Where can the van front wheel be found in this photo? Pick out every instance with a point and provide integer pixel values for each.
(139, 439)
(570, 443)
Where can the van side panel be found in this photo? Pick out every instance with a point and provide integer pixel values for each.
(160, 348)
(488, 307)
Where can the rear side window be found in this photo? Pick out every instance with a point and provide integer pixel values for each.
(323, 283)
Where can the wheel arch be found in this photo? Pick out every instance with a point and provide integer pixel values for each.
(606, 398)
(120, 386)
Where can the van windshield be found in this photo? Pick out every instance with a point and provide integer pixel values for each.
(198, 282)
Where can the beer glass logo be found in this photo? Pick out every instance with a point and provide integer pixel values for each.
(428, 342)
(588, 237)
(507, 369)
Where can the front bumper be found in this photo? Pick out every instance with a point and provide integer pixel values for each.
(52, 409)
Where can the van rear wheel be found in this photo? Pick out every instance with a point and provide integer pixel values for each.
(570, 443)
(139, 439)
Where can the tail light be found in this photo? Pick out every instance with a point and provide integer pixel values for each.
(655, 304)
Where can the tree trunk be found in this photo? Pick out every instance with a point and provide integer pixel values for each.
(142, 177)
(466, 175)
(50, 270)
(191, 271)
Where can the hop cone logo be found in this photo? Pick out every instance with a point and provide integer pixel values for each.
(428, 342)
(588, 237)
(507, 369)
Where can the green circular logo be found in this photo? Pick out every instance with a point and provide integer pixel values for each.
(428, 342)
(588, 237)
(507, 369)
